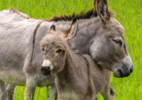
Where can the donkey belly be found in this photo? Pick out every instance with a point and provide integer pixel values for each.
(18, 78)
(13, 77)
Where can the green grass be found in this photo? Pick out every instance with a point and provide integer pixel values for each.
(127, 12)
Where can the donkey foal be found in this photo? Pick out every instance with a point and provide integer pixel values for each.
(77, 77)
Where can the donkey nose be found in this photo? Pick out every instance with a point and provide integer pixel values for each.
(123, 72)
(46, 70)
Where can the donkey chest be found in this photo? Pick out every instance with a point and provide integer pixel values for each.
(69, 94)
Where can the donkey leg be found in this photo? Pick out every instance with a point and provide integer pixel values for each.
(106, 93)
(30, 89)
(10, 91)
(3, 93)
(52, 93)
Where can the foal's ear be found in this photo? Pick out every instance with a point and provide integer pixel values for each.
(53, 28)
(102, 9)
(71, 32)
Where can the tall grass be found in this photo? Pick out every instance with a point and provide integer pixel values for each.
(127, 12)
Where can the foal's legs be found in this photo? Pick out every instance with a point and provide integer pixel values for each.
(52, 93)
(10, 91)
(3, 93)
(106, 93)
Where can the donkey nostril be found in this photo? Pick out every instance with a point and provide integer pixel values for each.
(42, 69)
(121, 74)
(131, 70)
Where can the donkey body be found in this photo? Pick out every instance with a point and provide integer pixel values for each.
(77, 77)
(101, 37)
(16, 35)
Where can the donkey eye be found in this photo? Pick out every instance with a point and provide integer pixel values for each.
(59, 51)
(118, 41)
(43, 48)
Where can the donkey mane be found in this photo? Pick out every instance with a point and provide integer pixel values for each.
(81, 15)
(14, 10)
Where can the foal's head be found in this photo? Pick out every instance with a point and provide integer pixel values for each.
(54, 46)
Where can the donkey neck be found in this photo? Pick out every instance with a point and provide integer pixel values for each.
(82, 23)
(74, 74)
(73, 61)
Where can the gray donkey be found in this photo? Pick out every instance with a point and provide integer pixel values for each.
(98, 35)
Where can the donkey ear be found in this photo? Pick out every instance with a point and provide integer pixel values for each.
(53, 28)
(71, 32)
(102, 9)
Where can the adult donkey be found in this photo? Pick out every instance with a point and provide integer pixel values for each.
(100, 36)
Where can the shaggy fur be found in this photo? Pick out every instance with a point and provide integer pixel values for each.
(77, 77)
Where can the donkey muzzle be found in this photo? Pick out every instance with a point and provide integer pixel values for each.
(124, 71)
(46, 67)
(124, 68)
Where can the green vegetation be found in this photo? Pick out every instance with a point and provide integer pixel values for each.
(127, 12)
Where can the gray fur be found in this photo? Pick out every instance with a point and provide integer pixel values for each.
(16, 36)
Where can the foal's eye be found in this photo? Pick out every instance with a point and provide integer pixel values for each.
(59, 51)
(118, 41)
(43, 49)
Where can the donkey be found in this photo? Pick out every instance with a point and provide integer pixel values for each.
(98, 35)
(77, 77)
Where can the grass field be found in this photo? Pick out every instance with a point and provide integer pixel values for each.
(127, 12)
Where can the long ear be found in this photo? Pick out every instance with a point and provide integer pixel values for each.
(102, 9)
(71, 32)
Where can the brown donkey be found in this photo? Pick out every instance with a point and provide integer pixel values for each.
(77, 77)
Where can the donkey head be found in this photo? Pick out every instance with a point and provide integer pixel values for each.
(54, 47)
(108, 48)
